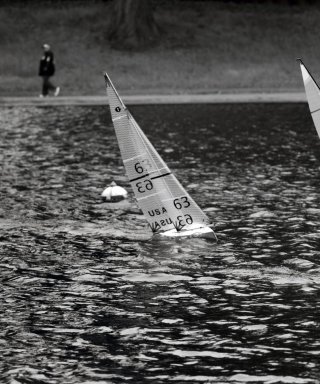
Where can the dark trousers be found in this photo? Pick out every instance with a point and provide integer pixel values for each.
(47, 85)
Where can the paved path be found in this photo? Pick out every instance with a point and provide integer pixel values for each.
(287, 97)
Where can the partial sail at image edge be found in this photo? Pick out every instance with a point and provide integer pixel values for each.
(168, 208)
(313, 95)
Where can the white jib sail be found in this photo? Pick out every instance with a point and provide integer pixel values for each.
(313, 95)
(164, 202)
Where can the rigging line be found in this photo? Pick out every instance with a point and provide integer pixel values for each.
(139, 131)
(135, 157)
(119, 117)
(154, 194)
(148, 146)
(173, 198)
(140, 177)
(146, 142)
(316, 110)
(109, 83)
(141, 134)
(186, 193)
(157, 177)
(148, 174)
(185, 209)
(158, 170)
(309, 73)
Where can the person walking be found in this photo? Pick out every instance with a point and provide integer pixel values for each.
(46, 70)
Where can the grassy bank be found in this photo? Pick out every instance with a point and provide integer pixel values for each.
(205, 47)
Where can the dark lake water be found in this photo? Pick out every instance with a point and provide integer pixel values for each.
(88, 295)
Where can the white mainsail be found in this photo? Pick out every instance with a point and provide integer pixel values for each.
(313, 95)
(168, 208)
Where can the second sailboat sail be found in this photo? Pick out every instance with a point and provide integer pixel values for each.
(313, 95)
(168, 208)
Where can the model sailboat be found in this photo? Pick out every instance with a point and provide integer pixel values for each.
(168, 208)
(313, 95)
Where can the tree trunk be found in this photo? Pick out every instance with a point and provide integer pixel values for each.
(132, 25)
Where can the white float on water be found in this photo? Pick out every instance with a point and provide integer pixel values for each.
(114, 193)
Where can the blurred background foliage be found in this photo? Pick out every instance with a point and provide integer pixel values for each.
(159, 46)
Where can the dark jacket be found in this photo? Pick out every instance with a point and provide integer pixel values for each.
(46, 67)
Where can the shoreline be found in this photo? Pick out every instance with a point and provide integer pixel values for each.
(258, 97)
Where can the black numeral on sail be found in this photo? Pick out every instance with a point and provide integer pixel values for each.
(181, 204)
(188, 219)
(142, 166)
(144, 185)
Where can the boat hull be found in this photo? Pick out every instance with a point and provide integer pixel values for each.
(204, 232)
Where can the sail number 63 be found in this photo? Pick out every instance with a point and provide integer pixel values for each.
(182, 202)
(187, 218)
(145, 185)
(142, 166)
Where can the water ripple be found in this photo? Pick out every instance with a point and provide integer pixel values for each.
(89, 295)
